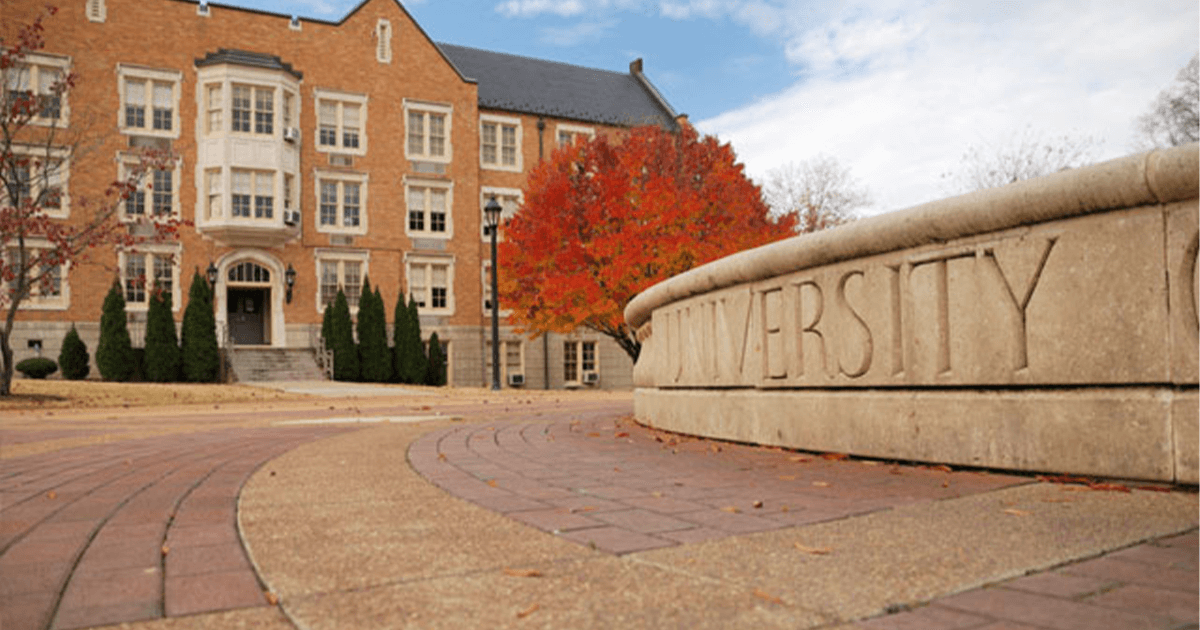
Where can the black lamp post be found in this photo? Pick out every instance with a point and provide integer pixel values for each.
(289, 277)
(491, 214)
(211, 275)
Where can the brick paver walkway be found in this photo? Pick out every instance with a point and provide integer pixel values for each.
(1152, 586)
(621, 488)
(131, 530)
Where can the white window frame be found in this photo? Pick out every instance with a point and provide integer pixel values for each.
(507, 212)
(579, 370)
(485, 295)
(427, 231)
(149, 76)
(383, 41)
(339, 256)
(423, 263)
(149, 252)
(428, 108)
(35, 301)
(62, 174)
(501, 122)
(35, 63)
(340, 99)
(574, 130)
(341, 178)
(505, 366)
(126, 163)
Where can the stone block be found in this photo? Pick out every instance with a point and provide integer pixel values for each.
(1183, 239)
(1185, 416)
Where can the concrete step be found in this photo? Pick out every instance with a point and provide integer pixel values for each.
(274, 364)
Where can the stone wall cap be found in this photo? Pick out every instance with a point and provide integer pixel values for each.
(1155, 177)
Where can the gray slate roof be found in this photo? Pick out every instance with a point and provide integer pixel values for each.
(535, 86)
(247, 58)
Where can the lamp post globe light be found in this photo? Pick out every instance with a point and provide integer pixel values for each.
(211, 276)
(289, 278)
(491, 216)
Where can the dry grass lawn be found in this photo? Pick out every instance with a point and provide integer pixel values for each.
(63, 394)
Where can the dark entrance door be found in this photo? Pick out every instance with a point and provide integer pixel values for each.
(246, 317)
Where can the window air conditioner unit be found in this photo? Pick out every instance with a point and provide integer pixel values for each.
(591, 378)
(516, 380)
(291, 134)
(291, 217)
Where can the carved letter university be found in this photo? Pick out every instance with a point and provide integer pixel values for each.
(1048, 325)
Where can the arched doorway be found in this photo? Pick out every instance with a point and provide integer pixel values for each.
(248, 303)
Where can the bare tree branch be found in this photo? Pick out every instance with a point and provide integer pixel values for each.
(821, 191)
(1173, 118)
(1026, 156)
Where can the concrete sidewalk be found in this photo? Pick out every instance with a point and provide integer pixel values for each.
(544, 513)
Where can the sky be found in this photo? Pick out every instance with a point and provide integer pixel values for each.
(895, 90)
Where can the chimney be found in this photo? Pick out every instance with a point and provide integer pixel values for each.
(635, 66)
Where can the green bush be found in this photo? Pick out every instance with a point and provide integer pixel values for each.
(114, 353)
(162, 361)
(410, 355)
(375, 359)
(201, 355)
(436, 371)
(341, 341)
(74, 357)
(37, 367)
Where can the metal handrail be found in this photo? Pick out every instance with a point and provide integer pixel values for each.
(323, 353)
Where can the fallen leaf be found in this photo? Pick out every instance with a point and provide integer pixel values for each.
(441, 457)
(1154, 488)
(1016, 512)
(165, 550)
(656, 494)
(586, 508)
(658, 438)
(816, 551)
(1062, 479)
(524, 573)
(821, 484)
(271, 598)
(946, 483)
(1111, 487)
(593, 434)
(867, 462)
(757, 504)
(767, 596)
(714, 448)
(788, 477)
(528, 611)
(783, 508)
(493, 483)
(622, 434)
(940, 467)
(798, 458)
(52, 495)
(731, 509)
(834, 456)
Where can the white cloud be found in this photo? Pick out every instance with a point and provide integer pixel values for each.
(899, 95)
(530, 8)
(577, 33)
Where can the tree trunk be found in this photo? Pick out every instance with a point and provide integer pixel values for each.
(6, 363)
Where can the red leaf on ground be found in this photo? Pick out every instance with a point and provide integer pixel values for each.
(834, 456)
(1110, 487)
(528, 611)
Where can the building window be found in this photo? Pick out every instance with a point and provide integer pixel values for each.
(428, 131)
(38, 78)
(252, 194)
(47, 288)
(143, 272)
(486, 277)
(569, 134)
(155, 196)
(340, 270)
(213, 107)
(429, 206)
(213, 185)
(383, 41)
(264, 111)
(512, 359)
(579, 358)
(252, 108)
(341, 122)
(499, 143)
(40, 177)
(342, 200)
(510, 200)
(430, 283)
(149, 101)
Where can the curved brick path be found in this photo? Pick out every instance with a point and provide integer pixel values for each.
(132, 530)
(622, 488)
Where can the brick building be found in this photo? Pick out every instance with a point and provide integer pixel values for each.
(334, 149)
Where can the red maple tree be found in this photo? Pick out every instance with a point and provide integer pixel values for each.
(37, 243)
(604, 220)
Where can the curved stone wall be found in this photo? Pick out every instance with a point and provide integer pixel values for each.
(1049, 325)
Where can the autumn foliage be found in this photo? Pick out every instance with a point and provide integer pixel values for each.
(605, 219)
